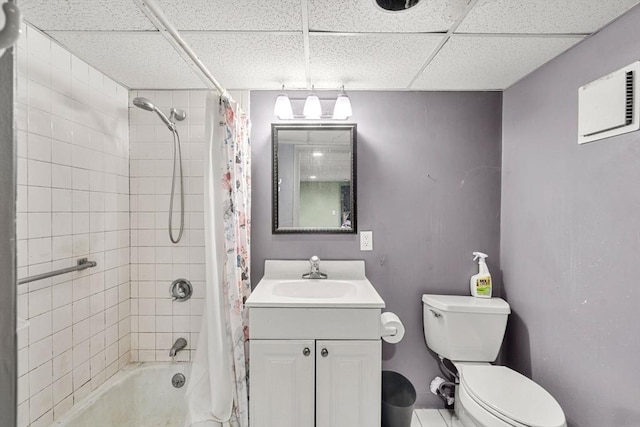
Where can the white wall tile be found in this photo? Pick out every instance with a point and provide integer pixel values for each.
(39, 250)
(63, 363)
(39, 225)
(63, 407)
(69, 117)
(23, 413)
(39, 302)
(62, 388)
(23, 388)
(39, 199)
(38, 148)
(62, 224)
(40, 377)
(39, 173)
(38, 44)
(155, 261)
(62, 318)
(38, 122)
(40, 403)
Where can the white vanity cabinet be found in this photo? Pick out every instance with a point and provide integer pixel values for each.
(314, 347)
(348, 376)
(282, 383)
(321, 383)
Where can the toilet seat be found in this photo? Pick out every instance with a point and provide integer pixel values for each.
(510, 396)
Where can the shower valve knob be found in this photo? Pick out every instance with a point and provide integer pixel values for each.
(181, 290)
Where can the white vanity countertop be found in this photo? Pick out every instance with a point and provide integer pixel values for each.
(346, 286)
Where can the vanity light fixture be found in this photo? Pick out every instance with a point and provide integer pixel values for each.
(283, 108)
(312, 108)
(342, 109)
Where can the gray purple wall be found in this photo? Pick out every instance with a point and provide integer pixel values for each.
(8, 342)
(428, 187)
(570, 242)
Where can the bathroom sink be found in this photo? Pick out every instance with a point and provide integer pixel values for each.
(283, 286)
(314, 288)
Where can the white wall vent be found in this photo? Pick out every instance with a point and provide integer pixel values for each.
(610, 105)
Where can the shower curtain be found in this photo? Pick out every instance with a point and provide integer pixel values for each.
(217, 393)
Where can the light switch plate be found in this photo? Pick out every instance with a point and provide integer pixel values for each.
(366, 240)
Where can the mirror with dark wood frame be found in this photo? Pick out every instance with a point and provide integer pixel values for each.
(314, 178)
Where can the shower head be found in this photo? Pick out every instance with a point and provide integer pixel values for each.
(145, 104)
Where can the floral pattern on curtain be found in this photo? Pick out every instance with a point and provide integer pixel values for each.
(236, 182)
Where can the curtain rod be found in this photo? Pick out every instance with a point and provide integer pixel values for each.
(171, 34)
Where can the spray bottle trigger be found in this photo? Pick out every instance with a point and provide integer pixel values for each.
(479, 255)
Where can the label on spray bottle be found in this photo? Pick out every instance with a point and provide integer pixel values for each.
(483, 285)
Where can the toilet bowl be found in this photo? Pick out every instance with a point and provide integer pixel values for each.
(497, 396)
(469, 331)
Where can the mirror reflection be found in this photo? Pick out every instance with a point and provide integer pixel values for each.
(314, 178)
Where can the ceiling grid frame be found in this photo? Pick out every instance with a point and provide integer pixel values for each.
(304, 6)
(279, 43)
(444, 41)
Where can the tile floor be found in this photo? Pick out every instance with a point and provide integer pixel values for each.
(432, 418)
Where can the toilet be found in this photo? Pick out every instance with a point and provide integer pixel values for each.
(469, 331)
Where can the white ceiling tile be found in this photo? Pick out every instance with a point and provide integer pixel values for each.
(124, 15)
(83, 15)
(245, 15)
(137, 60)
(251, 60)
(259, 44)
(543, 16)
(367, 16)
(382, 61)
(488, 63)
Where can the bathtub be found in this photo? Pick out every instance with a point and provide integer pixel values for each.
(139, 395)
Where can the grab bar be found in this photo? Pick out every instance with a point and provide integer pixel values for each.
(83, 264)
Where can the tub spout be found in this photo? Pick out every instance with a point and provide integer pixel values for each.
(180, 344)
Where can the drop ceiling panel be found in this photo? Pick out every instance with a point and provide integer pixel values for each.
(366, 16)
(486, 63)
(83, 15)
(543, 16)
(137, 60)
(251, 60)
(384, 61)
(124, 15)
(246, 15)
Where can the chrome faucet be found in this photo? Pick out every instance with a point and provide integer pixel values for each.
(314, 273)
(180, 344)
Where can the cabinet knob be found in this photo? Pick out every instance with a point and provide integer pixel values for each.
(324, 352)
(306, 351)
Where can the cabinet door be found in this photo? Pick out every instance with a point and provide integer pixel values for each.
(282, 383)
(348, 381)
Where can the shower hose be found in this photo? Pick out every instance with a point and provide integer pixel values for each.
(176, 159)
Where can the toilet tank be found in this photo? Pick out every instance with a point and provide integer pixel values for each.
(464, 328)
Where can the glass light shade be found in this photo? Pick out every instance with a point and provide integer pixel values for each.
(312, 108)
(283, 109)
(342, 108)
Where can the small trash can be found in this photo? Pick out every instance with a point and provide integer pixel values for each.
(398, 398)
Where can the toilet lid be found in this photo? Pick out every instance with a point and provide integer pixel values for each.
(512, 395)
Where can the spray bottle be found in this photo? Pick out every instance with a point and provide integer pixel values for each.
(480, 283)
